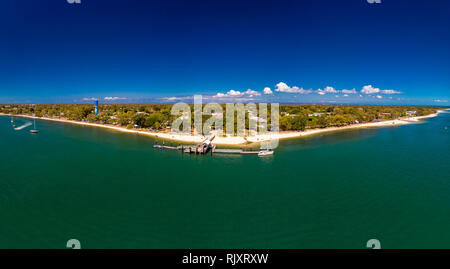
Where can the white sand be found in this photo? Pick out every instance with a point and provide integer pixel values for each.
(402, 121)
(236, 140)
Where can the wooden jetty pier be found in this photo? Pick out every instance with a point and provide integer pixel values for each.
(230, 151)
(204, 147)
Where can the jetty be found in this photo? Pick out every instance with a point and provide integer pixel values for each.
(204, 147)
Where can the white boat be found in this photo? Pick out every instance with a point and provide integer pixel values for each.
(263, 153)
(34, 130)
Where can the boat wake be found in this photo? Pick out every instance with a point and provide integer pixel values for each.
(23, 126)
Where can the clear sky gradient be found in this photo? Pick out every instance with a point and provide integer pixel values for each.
(164, 51)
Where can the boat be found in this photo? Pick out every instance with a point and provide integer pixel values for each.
(34, 130)
(263, 153)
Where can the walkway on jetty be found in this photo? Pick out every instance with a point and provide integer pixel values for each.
(204, 147)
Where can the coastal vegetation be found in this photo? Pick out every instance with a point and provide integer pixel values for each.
(157, 117)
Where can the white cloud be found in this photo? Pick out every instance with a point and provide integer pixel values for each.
(114, 98)
(390, 92)
(252, 93)
(440, 101)
(368, 89)
(320, 92)
(283, 87)
(352, 91)
(303, 91)
(90, 99)
(329, 89)
(173, 98)
(233, 93)
(230, 93)
(326, 90)
(267, 90)
(219, 94)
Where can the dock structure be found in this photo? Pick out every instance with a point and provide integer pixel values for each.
(201, 148)
(165, 147)
(249, 152)
(230, 151)
(204, 147)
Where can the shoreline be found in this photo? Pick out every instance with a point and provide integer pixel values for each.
(395, 122)
(237, 140)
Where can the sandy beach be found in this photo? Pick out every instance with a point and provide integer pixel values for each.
(237, 140)
(396, 122)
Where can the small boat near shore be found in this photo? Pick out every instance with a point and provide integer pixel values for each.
(263, 153)
(34, 130)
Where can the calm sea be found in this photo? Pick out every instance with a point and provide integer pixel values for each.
(114, 190)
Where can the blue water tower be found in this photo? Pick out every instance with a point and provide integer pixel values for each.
(96, 107)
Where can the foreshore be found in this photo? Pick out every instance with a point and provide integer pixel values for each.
(237, 140)
(396, 122)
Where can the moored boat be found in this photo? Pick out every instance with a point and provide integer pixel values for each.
(34, 130)
(265, 153)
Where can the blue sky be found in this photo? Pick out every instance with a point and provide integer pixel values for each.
(396, 52)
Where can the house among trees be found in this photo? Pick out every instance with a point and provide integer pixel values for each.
(315, 114)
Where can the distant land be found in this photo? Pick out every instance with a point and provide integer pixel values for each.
(155, 119)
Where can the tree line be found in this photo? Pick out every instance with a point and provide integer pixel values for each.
(158, 116)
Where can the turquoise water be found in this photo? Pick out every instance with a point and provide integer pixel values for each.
(114, 190)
